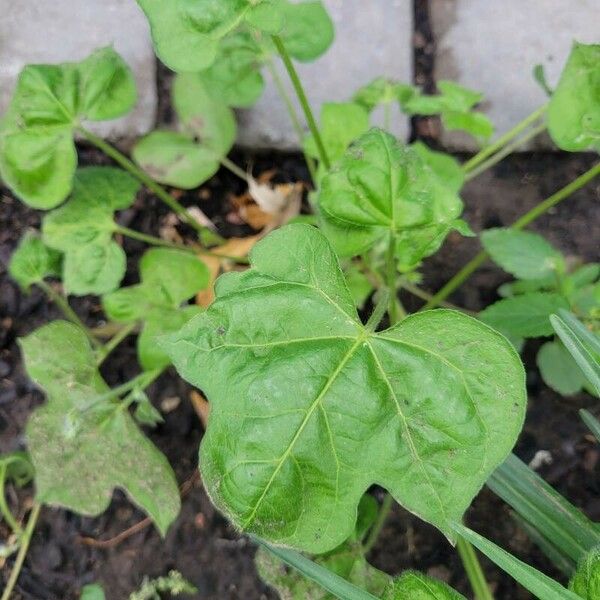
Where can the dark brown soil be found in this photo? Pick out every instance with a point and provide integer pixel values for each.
(201, 544)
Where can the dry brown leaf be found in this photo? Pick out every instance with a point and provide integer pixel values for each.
(201, 406)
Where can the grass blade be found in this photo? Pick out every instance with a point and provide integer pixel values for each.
(531, 579)
(329, 581)
(592, 423)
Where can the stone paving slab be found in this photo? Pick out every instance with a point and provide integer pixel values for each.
(372, 38)
(493, 45)
(47, 31)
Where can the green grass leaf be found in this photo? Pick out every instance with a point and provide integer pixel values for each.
(37, 152)
(381, 188)
(540, 585)
(33, 261)
(80, 455)
(525, 316)
(310, 408)
(591, 422)
(83, 230)
(574, 110)
(523, 254)
(168, 278)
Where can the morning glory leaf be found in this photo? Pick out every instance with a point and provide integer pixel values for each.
(523, 254)
(78, 471)
(341, 124)
(33, 261)
(168, 278)
(380, 191)
(309, 408)
(192, 157)
(83, 230)
(37, 152)
(413, 585)
(574, 109)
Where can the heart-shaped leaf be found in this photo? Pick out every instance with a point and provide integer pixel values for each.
(169, 278)
(190, 158)
(33, 261)
(383, 192)
(37, 153)
(78, 468)
(83, 230)
(309, 407)
(574, 110)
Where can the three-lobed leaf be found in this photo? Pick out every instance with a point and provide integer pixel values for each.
(83, 230)
(168, 278)
(574, 109)
(33, 261)
(310, 408)
(383, 192)
(37, 152)
(81, 444)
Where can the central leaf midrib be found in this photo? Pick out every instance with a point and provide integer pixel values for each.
(315, 404)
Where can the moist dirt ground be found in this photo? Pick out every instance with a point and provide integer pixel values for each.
(201, 544)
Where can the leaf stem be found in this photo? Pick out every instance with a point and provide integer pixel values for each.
(67, 311)
(4, 510)
(233, 168)
(297, 126)
(508, 149)
(382, 515)
(396, 310)
(104, 351)
(378, 311)
(503, 140)
(473, 569)
(154, 187)
(25, 541)
(301, 94)
(423, 295)
(521, 223)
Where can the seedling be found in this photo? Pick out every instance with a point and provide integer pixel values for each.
(310, 403)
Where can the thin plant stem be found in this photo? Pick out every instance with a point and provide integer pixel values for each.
(154, 187)
(473, 570)
(504, 139)
(67, 311)
(25, 541)
(4, 510)
(423, 295)
(378, 311)
(396, 310)
(233, 168)
(508, 149)
(195, 249)
(297, 126)
(387, 115)
(105, 350)
(301, 94)
(520, 223)
(382, 515)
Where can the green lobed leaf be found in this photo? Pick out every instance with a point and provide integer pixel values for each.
(78, 469)
(308, 31)
(586, 581)
(33, 261)
(37, 152)
(83, 230)
(475, 123)
(574, 109)
(559, 370)
(310, 408)
(527, 315)
(444, 165)
(168, 278)
(413, 585)
(382, 192)
(523, 254)
(383, 91)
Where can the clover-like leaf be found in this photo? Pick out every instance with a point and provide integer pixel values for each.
(574, 110)
(524, 254)
(83, 230)
(33, 261)
(586, 581)
(309, 407)
(186, 33)
(382, 191)
(413, 585)
(37, 152)
(168, 278)
(79, 470)
(192, 157)
(341, 124)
